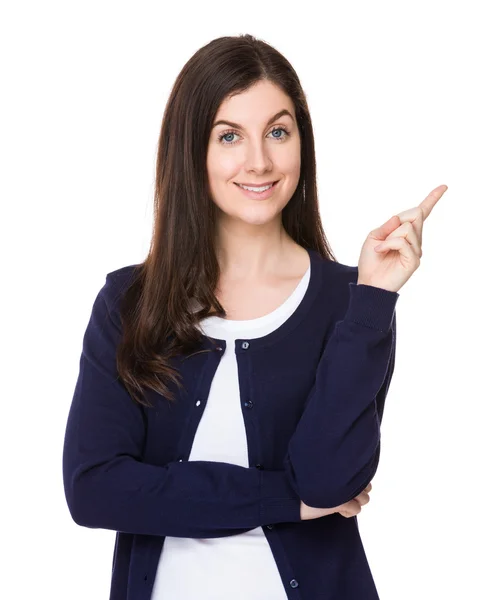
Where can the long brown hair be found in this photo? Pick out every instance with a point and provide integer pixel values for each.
(157, 321)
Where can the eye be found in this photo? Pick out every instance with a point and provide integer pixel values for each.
(233, 132)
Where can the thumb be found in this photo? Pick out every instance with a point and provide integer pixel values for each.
(387, 228)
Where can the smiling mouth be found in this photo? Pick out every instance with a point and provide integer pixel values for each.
(258, 186)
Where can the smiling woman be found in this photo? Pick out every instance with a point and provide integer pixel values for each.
(213, 445)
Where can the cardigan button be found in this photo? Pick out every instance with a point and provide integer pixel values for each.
(270, 526)
(259, 466)
(293, 583)
(248, 404)
(245, 345)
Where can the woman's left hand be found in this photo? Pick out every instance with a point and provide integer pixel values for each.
(392, 253)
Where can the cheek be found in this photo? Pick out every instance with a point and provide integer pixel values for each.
(222, 165)
(290, 162)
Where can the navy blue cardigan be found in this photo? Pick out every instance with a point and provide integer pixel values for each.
(317, 387)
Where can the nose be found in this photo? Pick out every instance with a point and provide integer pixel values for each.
(257, 158)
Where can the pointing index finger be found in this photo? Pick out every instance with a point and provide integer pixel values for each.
(433, 197)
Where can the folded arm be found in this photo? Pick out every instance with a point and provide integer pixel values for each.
(108, 486)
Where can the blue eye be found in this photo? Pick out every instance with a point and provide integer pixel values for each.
(232, 132)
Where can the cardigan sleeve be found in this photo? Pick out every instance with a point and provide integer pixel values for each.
(335, 449)
(108, 486)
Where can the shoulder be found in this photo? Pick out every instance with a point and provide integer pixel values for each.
(117, 282)
(334, 287)
(123, 275)
(340, 271)
(337, 275)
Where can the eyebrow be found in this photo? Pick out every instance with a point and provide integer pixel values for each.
(278, 115)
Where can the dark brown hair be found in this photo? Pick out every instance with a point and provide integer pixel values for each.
(157, 321)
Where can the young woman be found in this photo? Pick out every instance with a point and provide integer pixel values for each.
(226, 418)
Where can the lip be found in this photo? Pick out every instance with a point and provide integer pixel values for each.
(256, 184)
(257, 195)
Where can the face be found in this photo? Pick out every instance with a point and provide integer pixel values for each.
(254, 151)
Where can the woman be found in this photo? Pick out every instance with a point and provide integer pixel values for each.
(226, 418)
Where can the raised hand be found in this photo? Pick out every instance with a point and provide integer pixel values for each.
(392, 253)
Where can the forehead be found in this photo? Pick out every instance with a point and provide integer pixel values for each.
(261, 103)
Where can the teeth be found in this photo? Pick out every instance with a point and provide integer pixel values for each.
(256, 189)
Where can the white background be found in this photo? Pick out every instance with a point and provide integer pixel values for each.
(401, 100)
